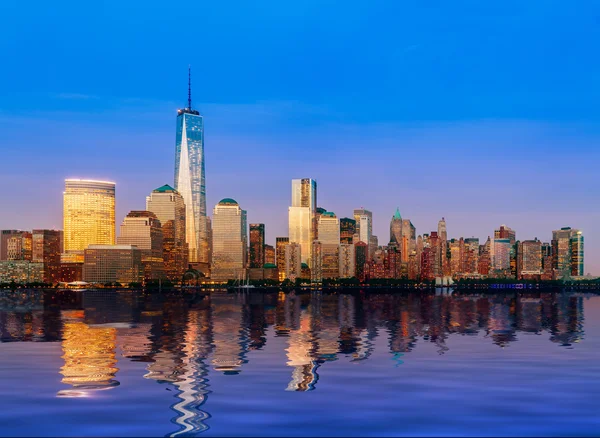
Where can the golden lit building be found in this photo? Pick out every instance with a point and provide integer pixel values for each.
(302, 225)
(230, 241)
(19, 246)
(89, 355)
(280, 244)
(46, 249)
(143, 229)
(168, 206)
(88, 214)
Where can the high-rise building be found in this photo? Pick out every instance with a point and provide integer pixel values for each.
(19, 246)
(529, 262)
(190, 179)
(168, 206)
(329, 229)
(485, 258)
(396, 230)
(280, 243)
(270, 255)
(366, 233)
(561, 251)
(302, 216)
(471, 255)
(113, 263)
(89, 214)
(409, 240)
(144, 230)
(230, 241)
(347, 230)
(347, 261)
(361, 253)
(4, 236)
(46, 250)
(443, 248)
(577, 266)
(257, 245)
(293, 260)
(435, 256)
(502, 251)
(373, 245)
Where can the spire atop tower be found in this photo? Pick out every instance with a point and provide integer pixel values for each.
(189, 87)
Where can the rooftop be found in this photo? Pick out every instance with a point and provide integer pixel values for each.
(164, 189)
(228, 201)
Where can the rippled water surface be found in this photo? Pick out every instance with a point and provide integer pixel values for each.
(107, 363)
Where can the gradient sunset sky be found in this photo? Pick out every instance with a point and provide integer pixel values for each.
(483, 114)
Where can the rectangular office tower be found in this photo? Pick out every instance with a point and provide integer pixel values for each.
(257, 245)
(168, 206)
(302, 216)
(89, 214)
(230, 241)
(190, 180)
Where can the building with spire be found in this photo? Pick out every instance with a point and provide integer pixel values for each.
(190, 180)
(396, 229)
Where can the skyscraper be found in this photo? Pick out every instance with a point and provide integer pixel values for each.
(347, 230)
(293, 261)
(577, 265)
(89, 214)
(562, 251)
(396, 230)
(529, 258)
(443, 248)
(168, 206)
(230, 241)
(46, 250)
(302, 216)
(280, 244)
(329, 229)
(257, 245)
(144, 230)
(190, 179)
(364, 225)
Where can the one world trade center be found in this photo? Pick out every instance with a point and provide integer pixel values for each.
(190, 179)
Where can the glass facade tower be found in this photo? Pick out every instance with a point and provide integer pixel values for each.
(89, 214)
(190, 180)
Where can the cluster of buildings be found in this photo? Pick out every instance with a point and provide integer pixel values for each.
(174, 237)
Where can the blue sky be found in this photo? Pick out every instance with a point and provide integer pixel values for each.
(482, 113)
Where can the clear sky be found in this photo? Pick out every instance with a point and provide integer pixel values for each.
(483, 113)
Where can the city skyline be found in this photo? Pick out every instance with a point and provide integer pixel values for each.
(483, 144)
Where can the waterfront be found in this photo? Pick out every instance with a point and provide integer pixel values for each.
(109, 363)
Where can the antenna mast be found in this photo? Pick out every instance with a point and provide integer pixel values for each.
(190, 87)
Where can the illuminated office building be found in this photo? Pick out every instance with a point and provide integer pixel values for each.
(293, 261)
(47, 247)
(329, 229)
(502, 250)
(21, 271)
(89, 214)
(347, 230)
(270, 255)
(316, 270)
(230, 241)
(577, 266)
(347, 261)
(168, 206)
(190, 180)
(471, 261)
(280, 244)
(485, 258)
(19, 246)
(302, 216)
(4, 236)
(561, 251)
(143, 229)
(373, 245)
(529, 259)
(257, 245)
(113, 264)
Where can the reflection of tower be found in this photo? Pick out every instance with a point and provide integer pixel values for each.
(501, 322)
(89, 355)
(567, 320)
(229, 337)
(300, 354)
(193, 383)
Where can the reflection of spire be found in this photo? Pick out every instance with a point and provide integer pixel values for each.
(89, 355)
(193, 383)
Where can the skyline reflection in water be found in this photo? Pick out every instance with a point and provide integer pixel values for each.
(184, 342)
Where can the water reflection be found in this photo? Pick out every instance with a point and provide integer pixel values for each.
(182, 339)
